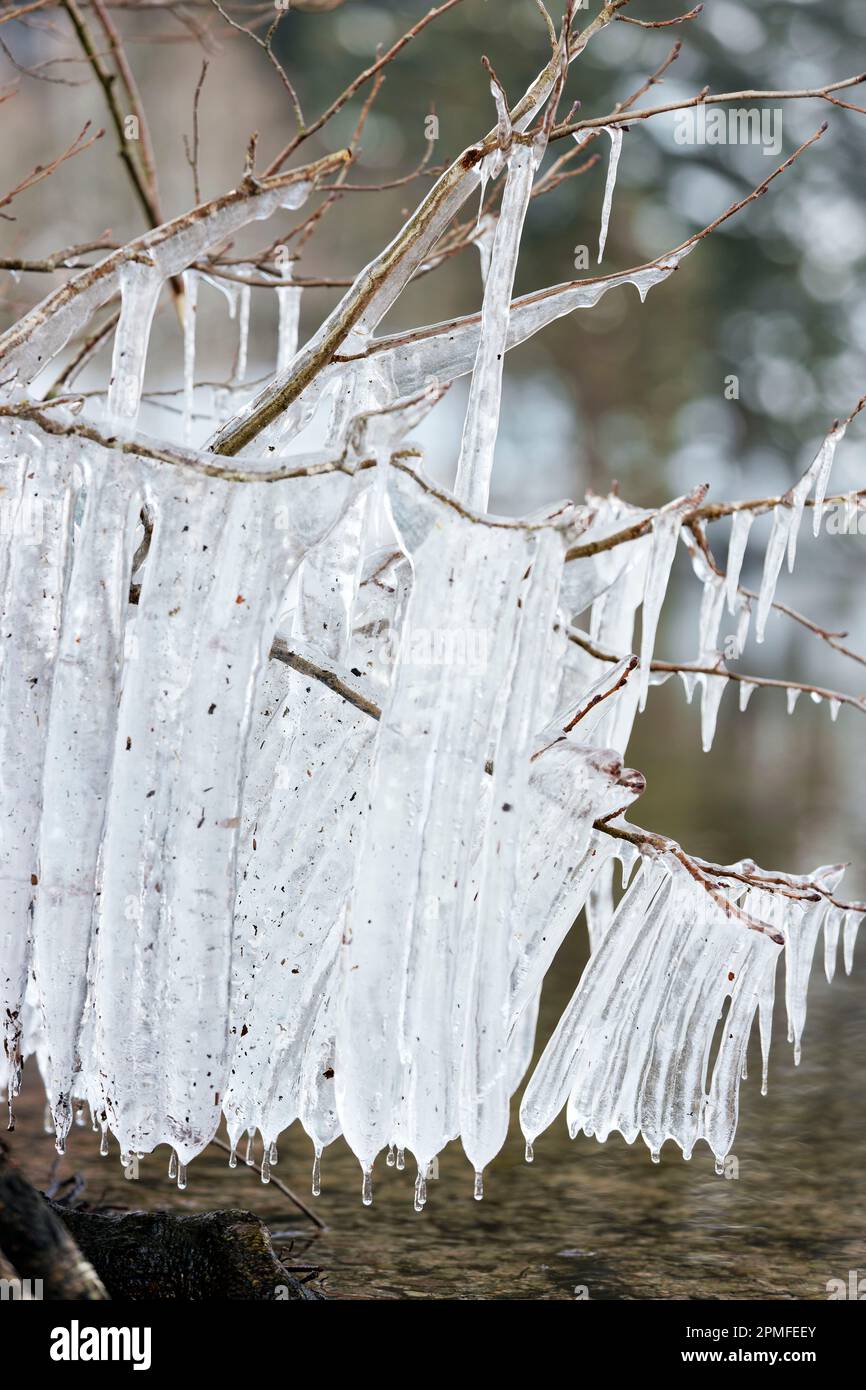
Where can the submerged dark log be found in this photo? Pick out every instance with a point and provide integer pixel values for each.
(36, 1244)
(79, 1252)
(207, 1255)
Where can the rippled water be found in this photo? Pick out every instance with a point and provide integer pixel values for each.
(583, 1217)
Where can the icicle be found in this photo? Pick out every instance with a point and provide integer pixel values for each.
(317, 1104)
(772, 567)
(521, 1044)
(743, 626)
(802, 926)
(629, 856)
(766, 1000)
(420, 1190)
(835, 706)
(714, 688)
(746, 690)
(484, 1079)
(103, 1144)
(849, 938)
(632, 1045)
(529, 1153)
(786, 525)
(289, 315)
(367, 1187)
(140, 288)
(317, 1172)
(172, 1166)
(483, 180)
(390, 1158)
(558, 878)
(34, 546)
(181, 1176)
(483, 237)
(413, 887)
(475, 464)
(689, 680)
(832, 925)
(401, 1160)
(665, 530)
(233, 1158)
(825, 464)
(207, 613)
(312, 766)
(265, 1169)
(792, 695)
(740, 528)
(478, 1189)
(190, 300)
(78, 756)
(549, 1084)
(615, 133)
(240, 371)
(712, 603)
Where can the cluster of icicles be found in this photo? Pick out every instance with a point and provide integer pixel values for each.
(235, 890)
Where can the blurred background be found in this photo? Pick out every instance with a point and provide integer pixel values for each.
(626, 392)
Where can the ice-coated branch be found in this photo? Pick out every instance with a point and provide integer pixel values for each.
(834, 697)
(446, 350)
(707, 98)
(377, 287)
(39, 335)
(299, 466)
(651, 840)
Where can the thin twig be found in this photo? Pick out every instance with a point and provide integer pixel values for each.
(660, 23)
(66, 259)
(44, 171)
(283, 1187)
(192, 155)
(266, 44)
(136, 106)
(107, 83)
(362, 78)
(707, 98)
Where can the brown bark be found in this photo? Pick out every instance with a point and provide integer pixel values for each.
(80, 1253)
(35, 1243)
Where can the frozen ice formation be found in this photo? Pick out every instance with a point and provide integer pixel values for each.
(309, 765)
